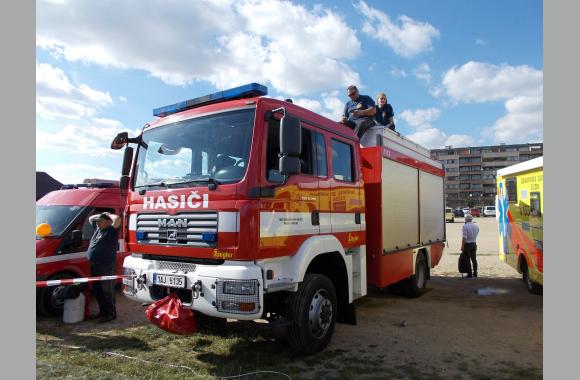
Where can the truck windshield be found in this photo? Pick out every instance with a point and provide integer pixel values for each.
(59, 217)
(213, 148)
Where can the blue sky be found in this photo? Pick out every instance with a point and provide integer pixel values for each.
(456, 72)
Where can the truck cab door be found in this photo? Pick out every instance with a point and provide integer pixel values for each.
(291, 214)
(345, 194)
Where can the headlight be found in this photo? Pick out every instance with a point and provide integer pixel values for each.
(238, 297)
(240, 287)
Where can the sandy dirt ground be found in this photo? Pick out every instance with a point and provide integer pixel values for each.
(449, 332)
(452, 330)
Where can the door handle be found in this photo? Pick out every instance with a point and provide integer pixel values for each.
(315, 217)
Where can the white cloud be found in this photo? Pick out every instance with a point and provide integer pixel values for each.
(460, 140)
(122, 98)
(407, 37)
(333, 104)
(423, 72)
(523, 121)
(227, 43)
(311, 104)
(433, 138)
(88, 141)
(519, 87)
(76, 172)
(57, 97)
(480, 41)
(398, 73)
(428, 136)
(420, 118)
(108, 122)
(330, 105)
(477, 82)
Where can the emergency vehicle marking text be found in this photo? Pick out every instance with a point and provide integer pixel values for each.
(175, 201)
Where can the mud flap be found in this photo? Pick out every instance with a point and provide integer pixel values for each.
(346, 314)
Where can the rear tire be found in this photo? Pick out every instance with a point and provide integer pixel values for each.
(530, 285)
(415, 285)
(47, 303)
(313, 311)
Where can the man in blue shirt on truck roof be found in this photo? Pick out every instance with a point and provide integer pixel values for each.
(358, 111)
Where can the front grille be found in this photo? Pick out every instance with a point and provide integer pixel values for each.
(173, 266)
(184, 229)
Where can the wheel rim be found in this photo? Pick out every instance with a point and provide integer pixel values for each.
(55, 299)
(320, 314)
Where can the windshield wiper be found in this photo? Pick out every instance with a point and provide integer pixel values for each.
(150, 185)
(213, 183)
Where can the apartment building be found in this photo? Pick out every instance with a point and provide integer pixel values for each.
(470, 171)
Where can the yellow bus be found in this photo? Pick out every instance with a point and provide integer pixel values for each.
(520, 212)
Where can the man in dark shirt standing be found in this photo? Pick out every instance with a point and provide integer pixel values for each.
(358, 111)
(103, 259)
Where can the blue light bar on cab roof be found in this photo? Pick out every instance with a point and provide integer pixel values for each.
(246, 91)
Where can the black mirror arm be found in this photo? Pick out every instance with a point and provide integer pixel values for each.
(270, 113)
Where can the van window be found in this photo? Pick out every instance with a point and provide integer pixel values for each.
(342, 161)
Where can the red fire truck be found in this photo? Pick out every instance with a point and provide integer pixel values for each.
(63, 252)
(252, 208)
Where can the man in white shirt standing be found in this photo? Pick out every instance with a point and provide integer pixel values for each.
(470, 231)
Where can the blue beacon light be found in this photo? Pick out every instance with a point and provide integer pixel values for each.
(246, 91)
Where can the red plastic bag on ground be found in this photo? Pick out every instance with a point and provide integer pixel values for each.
(170, 315)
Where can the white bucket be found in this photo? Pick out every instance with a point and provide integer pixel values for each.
(74, 309)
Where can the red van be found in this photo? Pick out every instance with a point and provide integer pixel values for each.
(63, 253)
(475, 212)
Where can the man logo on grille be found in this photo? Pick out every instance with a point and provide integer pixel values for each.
(172, 223)
(172, 235)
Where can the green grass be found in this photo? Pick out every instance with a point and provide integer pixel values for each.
(64, 352)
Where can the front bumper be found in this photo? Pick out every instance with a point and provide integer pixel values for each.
(206, 286)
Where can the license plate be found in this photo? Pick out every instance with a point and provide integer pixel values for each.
(169, 280)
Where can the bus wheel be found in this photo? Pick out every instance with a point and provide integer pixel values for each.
(532, 286)
(415, 285)
(48, 303)
(312, 310)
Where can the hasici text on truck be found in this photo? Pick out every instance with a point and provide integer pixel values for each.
(520, 212)
(64, 233)
(254, 208)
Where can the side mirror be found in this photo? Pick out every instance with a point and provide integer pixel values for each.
(290, 136)
(290, 145)
(289, 165)
(76, 238)
(120, 141)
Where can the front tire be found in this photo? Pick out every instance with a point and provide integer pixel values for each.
(47, 302)
(415, 285)
(530, 285)
(312, 310)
